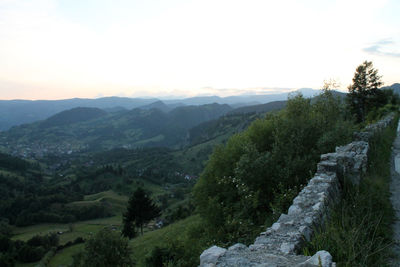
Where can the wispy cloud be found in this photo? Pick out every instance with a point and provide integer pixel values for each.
(382, 48)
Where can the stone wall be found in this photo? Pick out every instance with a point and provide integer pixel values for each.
(281, 243)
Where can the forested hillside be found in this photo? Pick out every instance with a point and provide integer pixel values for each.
(90, 129)
(72, 116)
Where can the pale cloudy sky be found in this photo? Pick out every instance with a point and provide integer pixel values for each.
(53, 49)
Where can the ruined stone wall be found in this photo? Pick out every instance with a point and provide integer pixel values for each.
(280, 244)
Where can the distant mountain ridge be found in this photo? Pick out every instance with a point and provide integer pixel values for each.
(150, 125)
(232, 100)
(157, 105)
(395, 87)
(17, 112)
(261, 108)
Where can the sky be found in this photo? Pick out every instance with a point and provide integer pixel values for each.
(58, 49)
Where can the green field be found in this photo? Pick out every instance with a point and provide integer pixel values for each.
(84, 229)
(69, 232)
(143, 245)
(117, 201)
(64, 257)
(157, 138)
(79, 229)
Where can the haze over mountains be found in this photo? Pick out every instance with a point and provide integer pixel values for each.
(115, 122)
(17, 112)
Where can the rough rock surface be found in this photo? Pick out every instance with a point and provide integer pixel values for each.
(280, 243)
(210, 256)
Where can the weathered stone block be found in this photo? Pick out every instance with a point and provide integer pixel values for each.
(210, 256)
(287, 248)
(294, 209)
(321, 258)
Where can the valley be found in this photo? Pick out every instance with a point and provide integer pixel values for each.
(68, 177)
(74, 189)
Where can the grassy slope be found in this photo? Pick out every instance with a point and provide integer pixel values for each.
(83, 229)
(190, 156)
(86, 229)
(64, 257)
(80, 229)
(142, 245)
(118, 202)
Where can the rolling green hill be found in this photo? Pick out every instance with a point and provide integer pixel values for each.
(190, 116)
(91, 129)
(72, 116)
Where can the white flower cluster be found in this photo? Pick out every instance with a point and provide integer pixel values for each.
(242, 189)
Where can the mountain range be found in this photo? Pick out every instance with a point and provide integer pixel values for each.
(107, 123)
(155, 124)
(17, 112)
(395, 87)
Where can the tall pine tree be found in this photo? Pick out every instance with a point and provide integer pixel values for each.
(364, 93)
(140, 210)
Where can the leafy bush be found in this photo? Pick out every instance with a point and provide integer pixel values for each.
(260, 170)
(29, 253)
(179, 252)
(106, 248)
(6, 259)
(282, 200)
